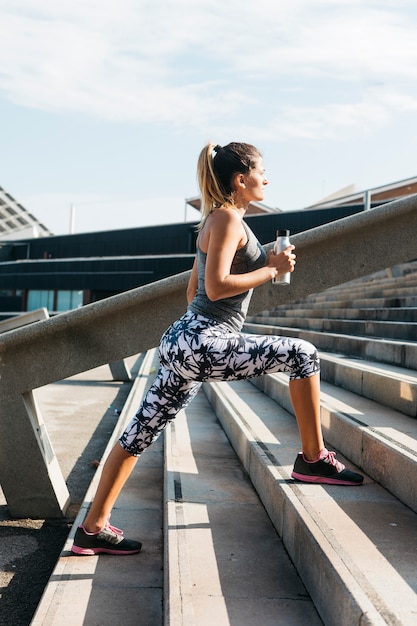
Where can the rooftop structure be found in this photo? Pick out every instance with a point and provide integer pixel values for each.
(16, 222)
(383, 193)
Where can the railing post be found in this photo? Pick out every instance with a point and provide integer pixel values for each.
(30, 475)
(367, 200)
(120, 371)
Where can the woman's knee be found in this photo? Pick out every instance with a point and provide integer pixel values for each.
(306, 361)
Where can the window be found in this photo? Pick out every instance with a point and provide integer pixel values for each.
(67, 300)
(54, 300)
(40, 298)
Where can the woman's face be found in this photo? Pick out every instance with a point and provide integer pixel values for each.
(255, 182)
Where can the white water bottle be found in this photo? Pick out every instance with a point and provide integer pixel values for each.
(281, 243)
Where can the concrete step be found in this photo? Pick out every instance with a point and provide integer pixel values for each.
(345, 302)
(400, 353)
(351, 546)
(380, 440)
(349, 293)
(106, 590)
(374, 283)
(402, 314)
(406, 331)
(390, 295)
(388, 385)
(371, 288)
(225, 563)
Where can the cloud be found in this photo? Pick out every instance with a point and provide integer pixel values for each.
(343, 42)
(309, 66)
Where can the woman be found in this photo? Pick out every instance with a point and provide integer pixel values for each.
(206, 343)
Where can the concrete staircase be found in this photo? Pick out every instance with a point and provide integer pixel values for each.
(243, 543)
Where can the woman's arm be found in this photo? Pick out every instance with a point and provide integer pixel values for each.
(192, 283)
(226, 235)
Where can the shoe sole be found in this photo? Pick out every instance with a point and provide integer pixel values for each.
(324, 480)
(92, 551)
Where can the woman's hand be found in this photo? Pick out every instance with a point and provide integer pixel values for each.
(284, 261)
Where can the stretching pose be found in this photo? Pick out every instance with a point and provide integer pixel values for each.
(206, 343)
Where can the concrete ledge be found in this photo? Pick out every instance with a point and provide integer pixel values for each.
(99, 333)
(25, 318)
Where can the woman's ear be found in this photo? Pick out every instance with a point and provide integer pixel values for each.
(239, 182)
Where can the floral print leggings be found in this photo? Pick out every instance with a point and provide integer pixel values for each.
(196, 349)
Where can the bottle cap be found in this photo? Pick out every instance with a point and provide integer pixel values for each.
(283, 233)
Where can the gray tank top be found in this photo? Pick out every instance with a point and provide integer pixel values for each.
(231, 311)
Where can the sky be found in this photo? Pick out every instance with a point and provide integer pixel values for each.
(105, 105)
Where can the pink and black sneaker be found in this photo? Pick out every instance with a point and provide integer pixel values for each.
(108, 540)
(326, 469)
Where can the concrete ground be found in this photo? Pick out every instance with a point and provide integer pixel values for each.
(80, 414)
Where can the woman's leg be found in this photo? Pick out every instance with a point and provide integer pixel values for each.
(223, 355)
(116, 471)
(305, 398)
(234, 356)
(242, 356)
(167, 395)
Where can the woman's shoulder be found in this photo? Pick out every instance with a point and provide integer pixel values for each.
(224, 217)
(220, 225)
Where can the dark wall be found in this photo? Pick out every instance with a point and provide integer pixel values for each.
(154, 240)
(159, 240)
(114, 275)
(10, 303)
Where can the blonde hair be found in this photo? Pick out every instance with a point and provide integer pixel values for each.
(215, 173)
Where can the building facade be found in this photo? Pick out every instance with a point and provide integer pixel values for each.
(67, 271)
